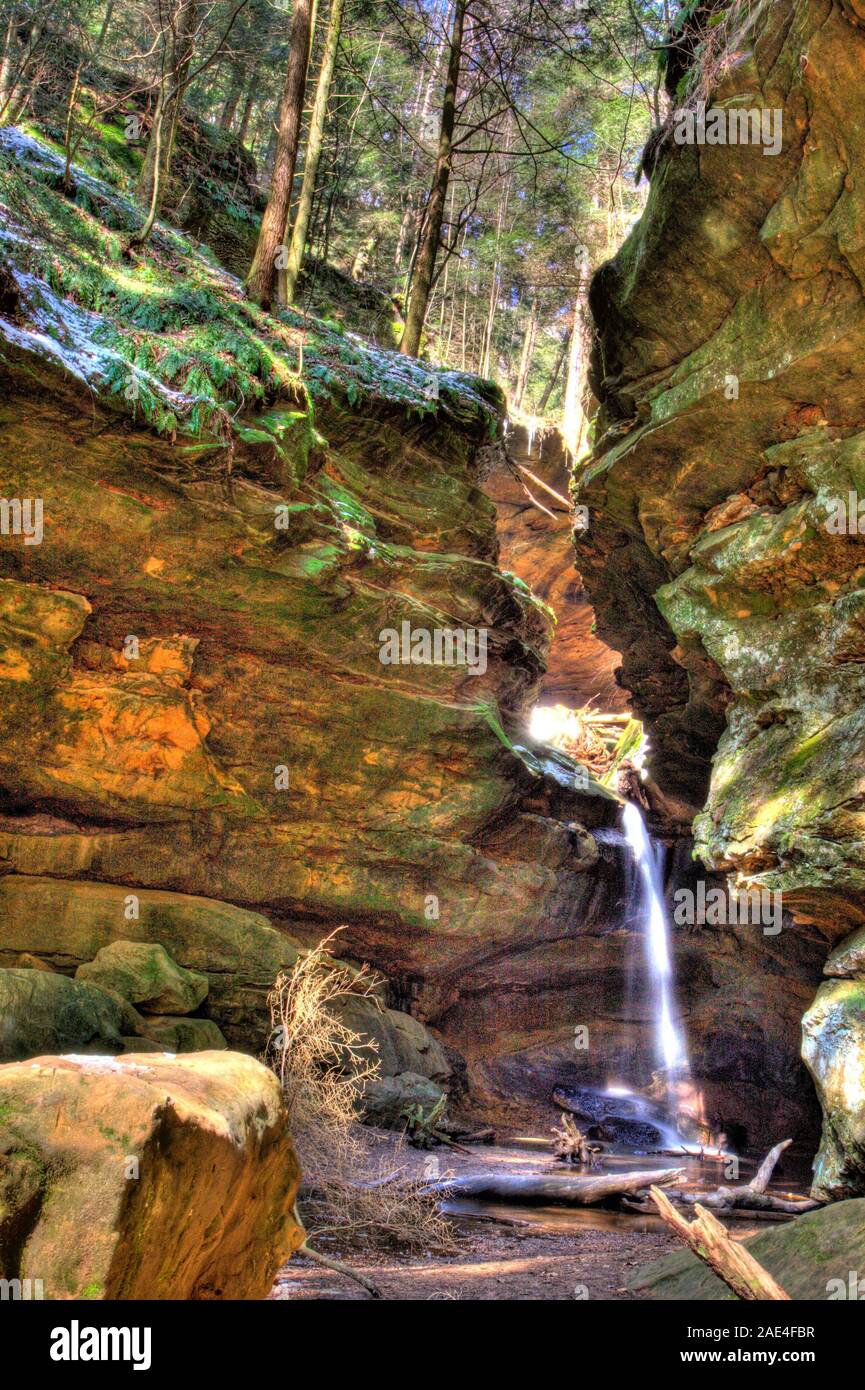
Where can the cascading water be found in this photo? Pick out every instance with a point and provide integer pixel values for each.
(670, 1048)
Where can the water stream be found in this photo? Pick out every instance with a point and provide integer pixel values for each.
(671, 1053)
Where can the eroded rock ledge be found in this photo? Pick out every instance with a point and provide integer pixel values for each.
(731, 330)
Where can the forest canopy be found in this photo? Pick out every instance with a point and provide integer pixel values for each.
(472, 160)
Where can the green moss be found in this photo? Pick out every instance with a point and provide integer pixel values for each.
(171, 322)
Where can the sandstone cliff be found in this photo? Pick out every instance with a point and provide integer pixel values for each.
(200, 743)
(731, 329)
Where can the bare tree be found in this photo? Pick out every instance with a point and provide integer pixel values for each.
(261, 280)
(424, 270)
(314, 145)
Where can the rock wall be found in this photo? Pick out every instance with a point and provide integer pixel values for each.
(730, 334)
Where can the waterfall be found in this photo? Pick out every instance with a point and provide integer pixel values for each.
(670, 1049)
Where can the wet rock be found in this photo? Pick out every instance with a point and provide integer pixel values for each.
(145, 974)
(145, 1177)
(833, 1046)
(615, 1119)
(731, 331)
(538, 547)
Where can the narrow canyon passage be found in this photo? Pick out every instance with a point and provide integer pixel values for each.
(431, 659)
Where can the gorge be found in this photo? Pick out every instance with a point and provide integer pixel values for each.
(271, 668)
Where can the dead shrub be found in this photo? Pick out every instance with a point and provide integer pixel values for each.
(354, 1187)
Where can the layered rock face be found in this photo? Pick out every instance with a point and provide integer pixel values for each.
(731, 329)
(221, 728)
(145, 1177)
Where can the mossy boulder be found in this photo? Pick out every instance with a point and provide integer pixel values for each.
(385, 1098)
(144, 973)
(817, 1256)
(176, 1034)
(402, 1043)
(69, 923)
(44, 1012)
(833, 1047)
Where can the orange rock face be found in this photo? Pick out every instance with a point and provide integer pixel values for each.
(537, 546)
(145, 1176)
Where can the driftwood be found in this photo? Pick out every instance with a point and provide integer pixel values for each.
(471, 1136)
(558, 1191)
(338, 1266)
(648, 1208)
(715, 1247)
(753, 1196)
(571, 1145)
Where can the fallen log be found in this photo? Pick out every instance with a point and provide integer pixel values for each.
(648, 1208)
(752, 1196)
(559, 1190)
(730, 1260)
(471, 1136)
(763, 1175)
(740, 1199)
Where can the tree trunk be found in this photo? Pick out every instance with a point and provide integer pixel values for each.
(6, 63)
(314, 144)
(526, 355)
(70, 122)
(103, 32)
(364, 254)
(246, 113)
(554, 374)
(261, 280)
(235, 88)
(160, 145)
(424, 268)
(574, 422)
(407, 239)
(560, 1189)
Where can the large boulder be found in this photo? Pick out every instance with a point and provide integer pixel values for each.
(144, 973)
(177, 1034)
(833, 1047)
(817, 1256)
(145, 1176)
(402, 1043)
(42, 1012)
